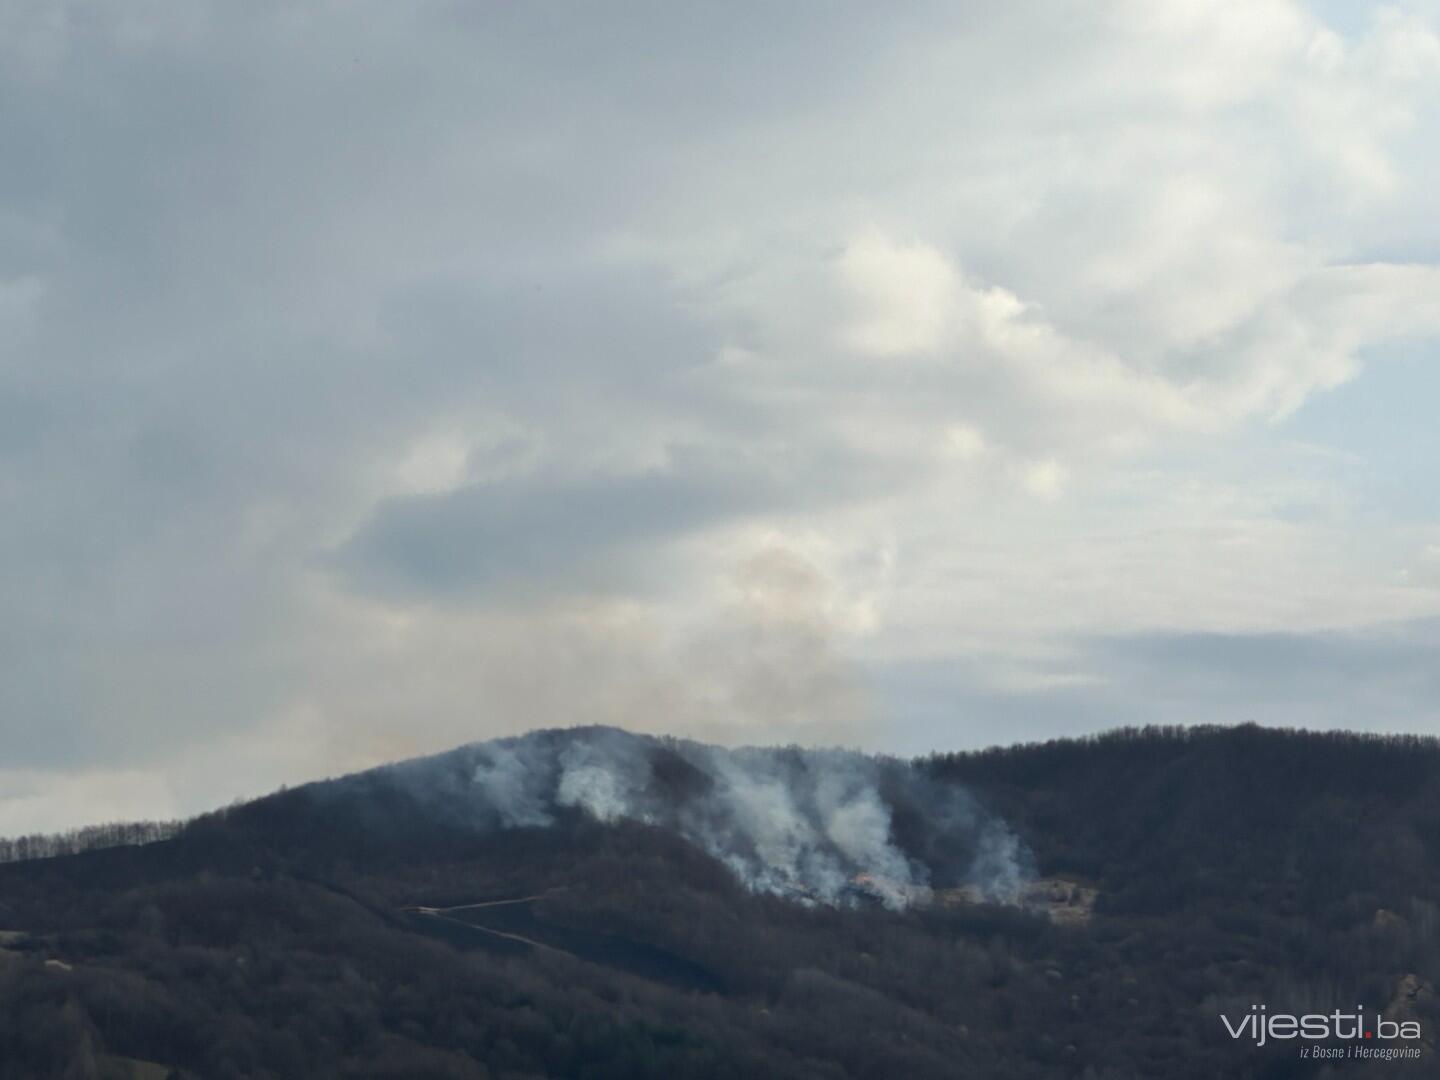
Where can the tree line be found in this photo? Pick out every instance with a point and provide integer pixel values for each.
(88, 838)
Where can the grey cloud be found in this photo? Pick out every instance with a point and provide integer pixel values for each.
(558, 533)
(251, 254)
(1381, 678)
(524, 531)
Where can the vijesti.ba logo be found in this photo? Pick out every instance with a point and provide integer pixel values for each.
(1398, 1038)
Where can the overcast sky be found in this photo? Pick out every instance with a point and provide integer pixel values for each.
(380, 377)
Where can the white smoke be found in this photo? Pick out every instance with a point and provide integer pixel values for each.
(820, 826)
(513, 794)
(595, 782)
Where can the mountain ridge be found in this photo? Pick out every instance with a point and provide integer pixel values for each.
(1225, 876)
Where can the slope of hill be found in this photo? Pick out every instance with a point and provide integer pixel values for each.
(591, 904)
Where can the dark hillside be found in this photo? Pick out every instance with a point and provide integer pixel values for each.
(1169, 818)
(370, 927)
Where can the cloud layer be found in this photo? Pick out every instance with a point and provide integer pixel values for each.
(376, 378)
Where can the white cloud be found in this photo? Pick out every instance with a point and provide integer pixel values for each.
(974, 331)
(1424, 570)
(1044, 479)
(434, 464)
(906, 293)
(964, 443)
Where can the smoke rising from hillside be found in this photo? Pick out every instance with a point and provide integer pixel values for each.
(826, 826)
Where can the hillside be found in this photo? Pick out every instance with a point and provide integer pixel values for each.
(592, 904)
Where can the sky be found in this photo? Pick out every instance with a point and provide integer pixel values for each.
(380, 377)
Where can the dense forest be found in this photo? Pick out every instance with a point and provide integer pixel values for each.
(348, 929)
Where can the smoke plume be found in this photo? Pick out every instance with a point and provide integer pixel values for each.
(819, 826)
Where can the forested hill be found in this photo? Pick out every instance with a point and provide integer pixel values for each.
(374, 926)
(1169, 818)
